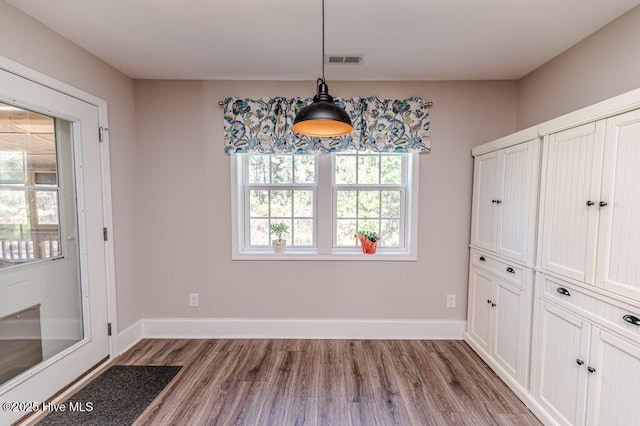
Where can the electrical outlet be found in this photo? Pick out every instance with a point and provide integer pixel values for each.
(194, 299)
(451, 300)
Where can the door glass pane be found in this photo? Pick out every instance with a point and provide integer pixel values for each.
(40, 299)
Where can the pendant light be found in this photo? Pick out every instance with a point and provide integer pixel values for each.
(322, 118)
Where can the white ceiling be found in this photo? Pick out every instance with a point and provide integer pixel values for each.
(281, 39)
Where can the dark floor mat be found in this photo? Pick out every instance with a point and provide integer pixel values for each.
(116, 397)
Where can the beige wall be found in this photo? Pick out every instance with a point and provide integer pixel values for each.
(184, 209)
(603, 65)
(26, 41)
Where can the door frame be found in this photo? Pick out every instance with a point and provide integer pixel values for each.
(13, 67)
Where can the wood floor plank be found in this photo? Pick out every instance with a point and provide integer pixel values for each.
(325, 382)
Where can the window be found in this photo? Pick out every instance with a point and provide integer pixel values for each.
(325, 200)
(280, 189)
(368, 194)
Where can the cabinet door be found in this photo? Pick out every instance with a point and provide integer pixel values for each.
(513, 210)
(573, 172)
(508, 316)
(480, 307)
(618, 265)
(613, 386)
(485, 208)
(560, 382)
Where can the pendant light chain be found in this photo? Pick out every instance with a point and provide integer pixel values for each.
(323, 80)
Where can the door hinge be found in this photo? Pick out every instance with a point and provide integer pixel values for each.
(101, 131)
(108, 329)
(105, 234)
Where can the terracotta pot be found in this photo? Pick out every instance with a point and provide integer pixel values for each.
(367, 246)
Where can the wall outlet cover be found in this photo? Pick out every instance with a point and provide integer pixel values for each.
(194, 299)
(451, 300)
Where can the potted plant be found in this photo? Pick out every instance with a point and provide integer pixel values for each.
(369, 241)
(278, 229)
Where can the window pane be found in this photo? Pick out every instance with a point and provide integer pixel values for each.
(305, 170)
(391, 169)
(368, 203)
(259, 169)
(258, 203)
(282, 169)
(281, 203)
(12, 167)
(346, 203)
(390, 204)
(303, 232)
(47, 202)
(368, 172)
(368, 225)
(13, 208)
(346, 229)
(345, 170)
(390, 235)
(285, 235)
(303, 203)
(259, 232)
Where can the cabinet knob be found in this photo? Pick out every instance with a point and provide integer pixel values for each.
(498, 201)
(579, 361)
(563, 291)
(488, 301)
(511, 270)
(591, 369)
(482, 259)
(493, 305)
(631, 319)
(602, 204)
(494, 201)
(590, 203)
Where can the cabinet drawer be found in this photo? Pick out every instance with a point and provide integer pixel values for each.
(617, 316)
(506, 270)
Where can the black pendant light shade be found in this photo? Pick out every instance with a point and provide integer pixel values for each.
(322, 118)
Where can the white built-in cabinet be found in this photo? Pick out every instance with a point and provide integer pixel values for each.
(505, 193)
(497, 322)
(586, 363)
(504, 200)
(586, 349)
(560, 238)
(591, 208)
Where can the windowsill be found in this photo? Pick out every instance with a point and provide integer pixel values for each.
(400, 256)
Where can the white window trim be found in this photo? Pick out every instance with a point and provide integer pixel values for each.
(325, 219)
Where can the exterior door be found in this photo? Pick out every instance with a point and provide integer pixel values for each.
(513, 211)
(560, 379)
(53, 253)
(486, 193)
(572, 192)
(618, 266)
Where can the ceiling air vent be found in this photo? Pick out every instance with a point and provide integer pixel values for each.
(343, 59)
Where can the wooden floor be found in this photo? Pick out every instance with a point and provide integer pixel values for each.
(326, 382)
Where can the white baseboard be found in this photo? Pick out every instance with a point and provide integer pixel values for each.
(181, 328)
(130, 336)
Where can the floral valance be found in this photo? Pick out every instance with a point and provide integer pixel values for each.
(383, 125)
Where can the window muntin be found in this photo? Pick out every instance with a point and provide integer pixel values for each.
(369, 194)
(280, 189)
